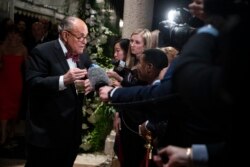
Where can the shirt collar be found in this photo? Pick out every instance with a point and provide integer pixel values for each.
(156, 82)
(209, 29)
(63, 46)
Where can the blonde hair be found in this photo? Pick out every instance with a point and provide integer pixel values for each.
(171, 53)
(155, 38)
(147, 39)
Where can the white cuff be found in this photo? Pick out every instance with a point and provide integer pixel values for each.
(61, 83)
(113, 91)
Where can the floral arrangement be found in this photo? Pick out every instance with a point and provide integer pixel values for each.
(98, 116)
(97, 124)
(98, 32)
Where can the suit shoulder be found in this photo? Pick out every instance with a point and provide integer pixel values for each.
(46, 48)
(199, 42)
(47, 45)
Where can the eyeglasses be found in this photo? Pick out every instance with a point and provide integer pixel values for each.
(80, 38)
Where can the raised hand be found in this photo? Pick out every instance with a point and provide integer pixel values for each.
(74, 74)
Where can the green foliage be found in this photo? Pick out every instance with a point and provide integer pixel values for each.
(102, 127)
(99, 34)
(98, 123)
(98, 116)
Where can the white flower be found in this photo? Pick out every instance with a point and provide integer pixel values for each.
(94, 55)
(93, 105)
(86, 146)
(92, 119)
(84, 126)
(92, 11)
(103, 39)
(99, 50)
(89, 111)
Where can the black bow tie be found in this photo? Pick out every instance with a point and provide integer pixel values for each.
(75, 57)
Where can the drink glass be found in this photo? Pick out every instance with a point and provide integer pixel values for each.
(79, 85)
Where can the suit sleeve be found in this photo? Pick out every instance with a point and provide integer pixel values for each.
(142, 93)
(38, 74)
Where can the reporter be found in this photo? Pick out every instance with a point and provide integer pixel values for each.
(128, 134)
(182, 157)
(121, 49)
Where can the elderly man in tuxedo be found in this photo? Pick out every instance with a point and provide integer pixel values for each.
(54, 115)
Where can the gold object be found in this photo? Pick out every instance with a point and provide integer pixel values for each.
(149, 148)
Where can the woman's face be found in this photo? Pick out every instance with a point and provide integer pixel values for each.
(118, 52)
(137, 44)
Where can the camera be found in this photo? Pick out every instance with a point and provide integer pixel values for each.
(176, 32)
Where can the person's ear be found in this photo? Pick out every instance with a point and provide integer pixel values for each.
(64, 36)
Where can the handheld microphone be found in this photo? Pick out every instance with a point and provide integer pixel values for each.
(97, 77)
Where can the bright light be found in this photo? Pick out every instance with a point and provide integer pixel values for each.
(121, 23)
(172, 15)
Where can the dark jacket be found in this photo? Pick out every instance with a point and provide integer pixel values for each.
(54, 117)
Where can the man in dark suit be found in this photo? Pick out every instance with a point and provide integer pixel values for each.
(54, 115)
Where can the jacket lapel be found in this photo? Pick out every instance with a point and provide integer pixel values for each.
(60, 56)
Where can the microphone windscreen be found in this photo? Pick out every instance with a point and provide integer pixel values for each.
(97, 77)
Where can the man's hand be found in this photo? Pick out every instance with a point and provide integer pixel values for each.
(116, 83)
(103, 93)
(177, 157)
(114, 75)
(74, 74)
(87, 86)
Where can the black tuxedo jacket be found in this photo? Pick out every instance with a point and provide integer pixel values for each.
(54, 116)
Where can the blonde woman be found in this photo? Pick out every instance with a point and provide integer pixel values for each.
(140, 40)
(131, 150)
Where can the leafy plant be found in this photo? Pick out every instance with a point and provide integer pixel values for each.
(95, 139)
(98, 116)
(99, 34)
